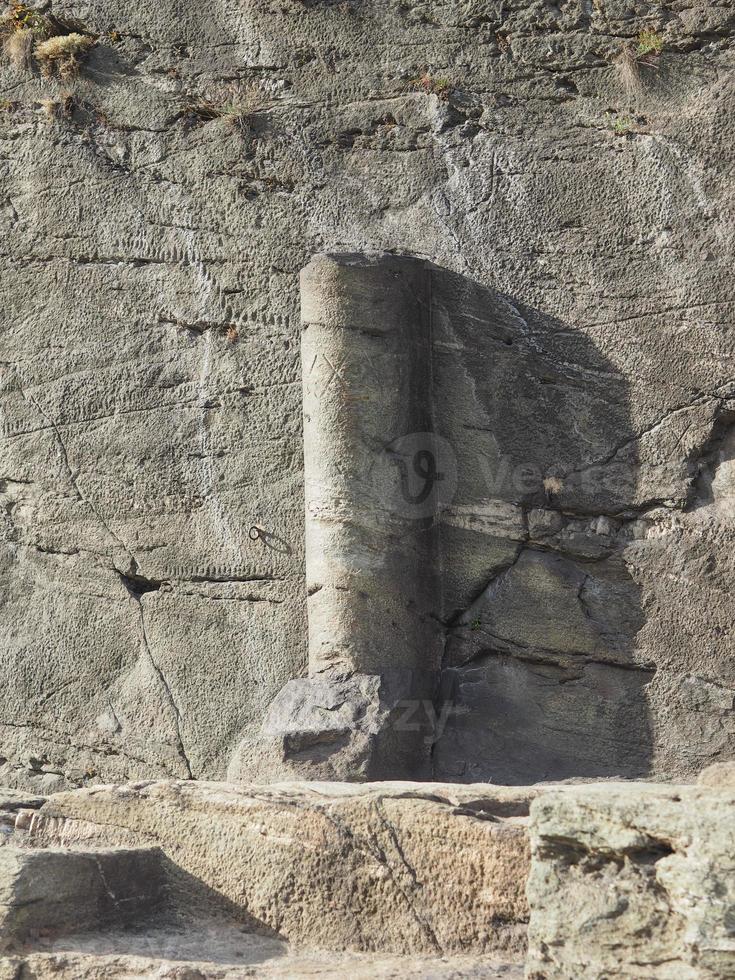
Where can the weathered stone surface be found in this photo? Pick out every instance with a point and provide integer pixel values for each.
(397, 867)
(632, 880)
(71, 966)
(12, 800)
(373, 576)
(355, 728)
(151, 389)
(401, 879)
(542, 721)
(721, 775)
(58, 890)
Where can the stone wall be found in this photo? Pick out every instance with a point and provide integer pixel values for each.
(157, 209)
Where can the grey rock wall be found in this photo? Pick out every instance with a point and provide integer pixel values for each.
(156, 211)
(442, 506)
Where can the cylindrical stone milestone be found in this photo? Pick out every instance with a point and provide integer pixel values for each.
(370, 462)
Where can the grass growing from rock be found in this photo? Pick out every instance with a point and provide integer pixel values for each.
(623, 125)
(62, 55)
(649, 42)
(57, 48)
(634, 56)
(236, 108)
(434, 85)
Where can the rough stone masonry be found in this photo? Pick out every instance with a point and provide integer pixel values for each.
(569, 168)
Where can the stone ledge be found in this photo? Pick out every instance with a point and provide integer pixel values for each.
(633, 880)
(626, 879)
(57, 890)
(396, 867)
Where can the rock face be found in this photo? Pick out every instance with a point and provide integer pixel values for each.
(157, 209)
(402, 365)
(53, 890)
(633, 881)
(77, 902)
(192, 880)
(721, 775)
(397, 879)
(397, 867)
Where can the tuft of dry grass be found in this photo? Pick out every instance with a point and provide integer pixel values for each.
(18, 47)
(57, 110)
(63, 55)
(629, 69)
(31, 39)
(635, 56)
(236, 106)
(52, 110)
(553, 485)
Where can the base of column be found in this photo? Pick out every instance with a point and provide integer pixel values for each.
(354, 728)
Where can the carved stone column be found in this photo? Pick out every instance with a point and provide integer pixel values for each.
(372, 556)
